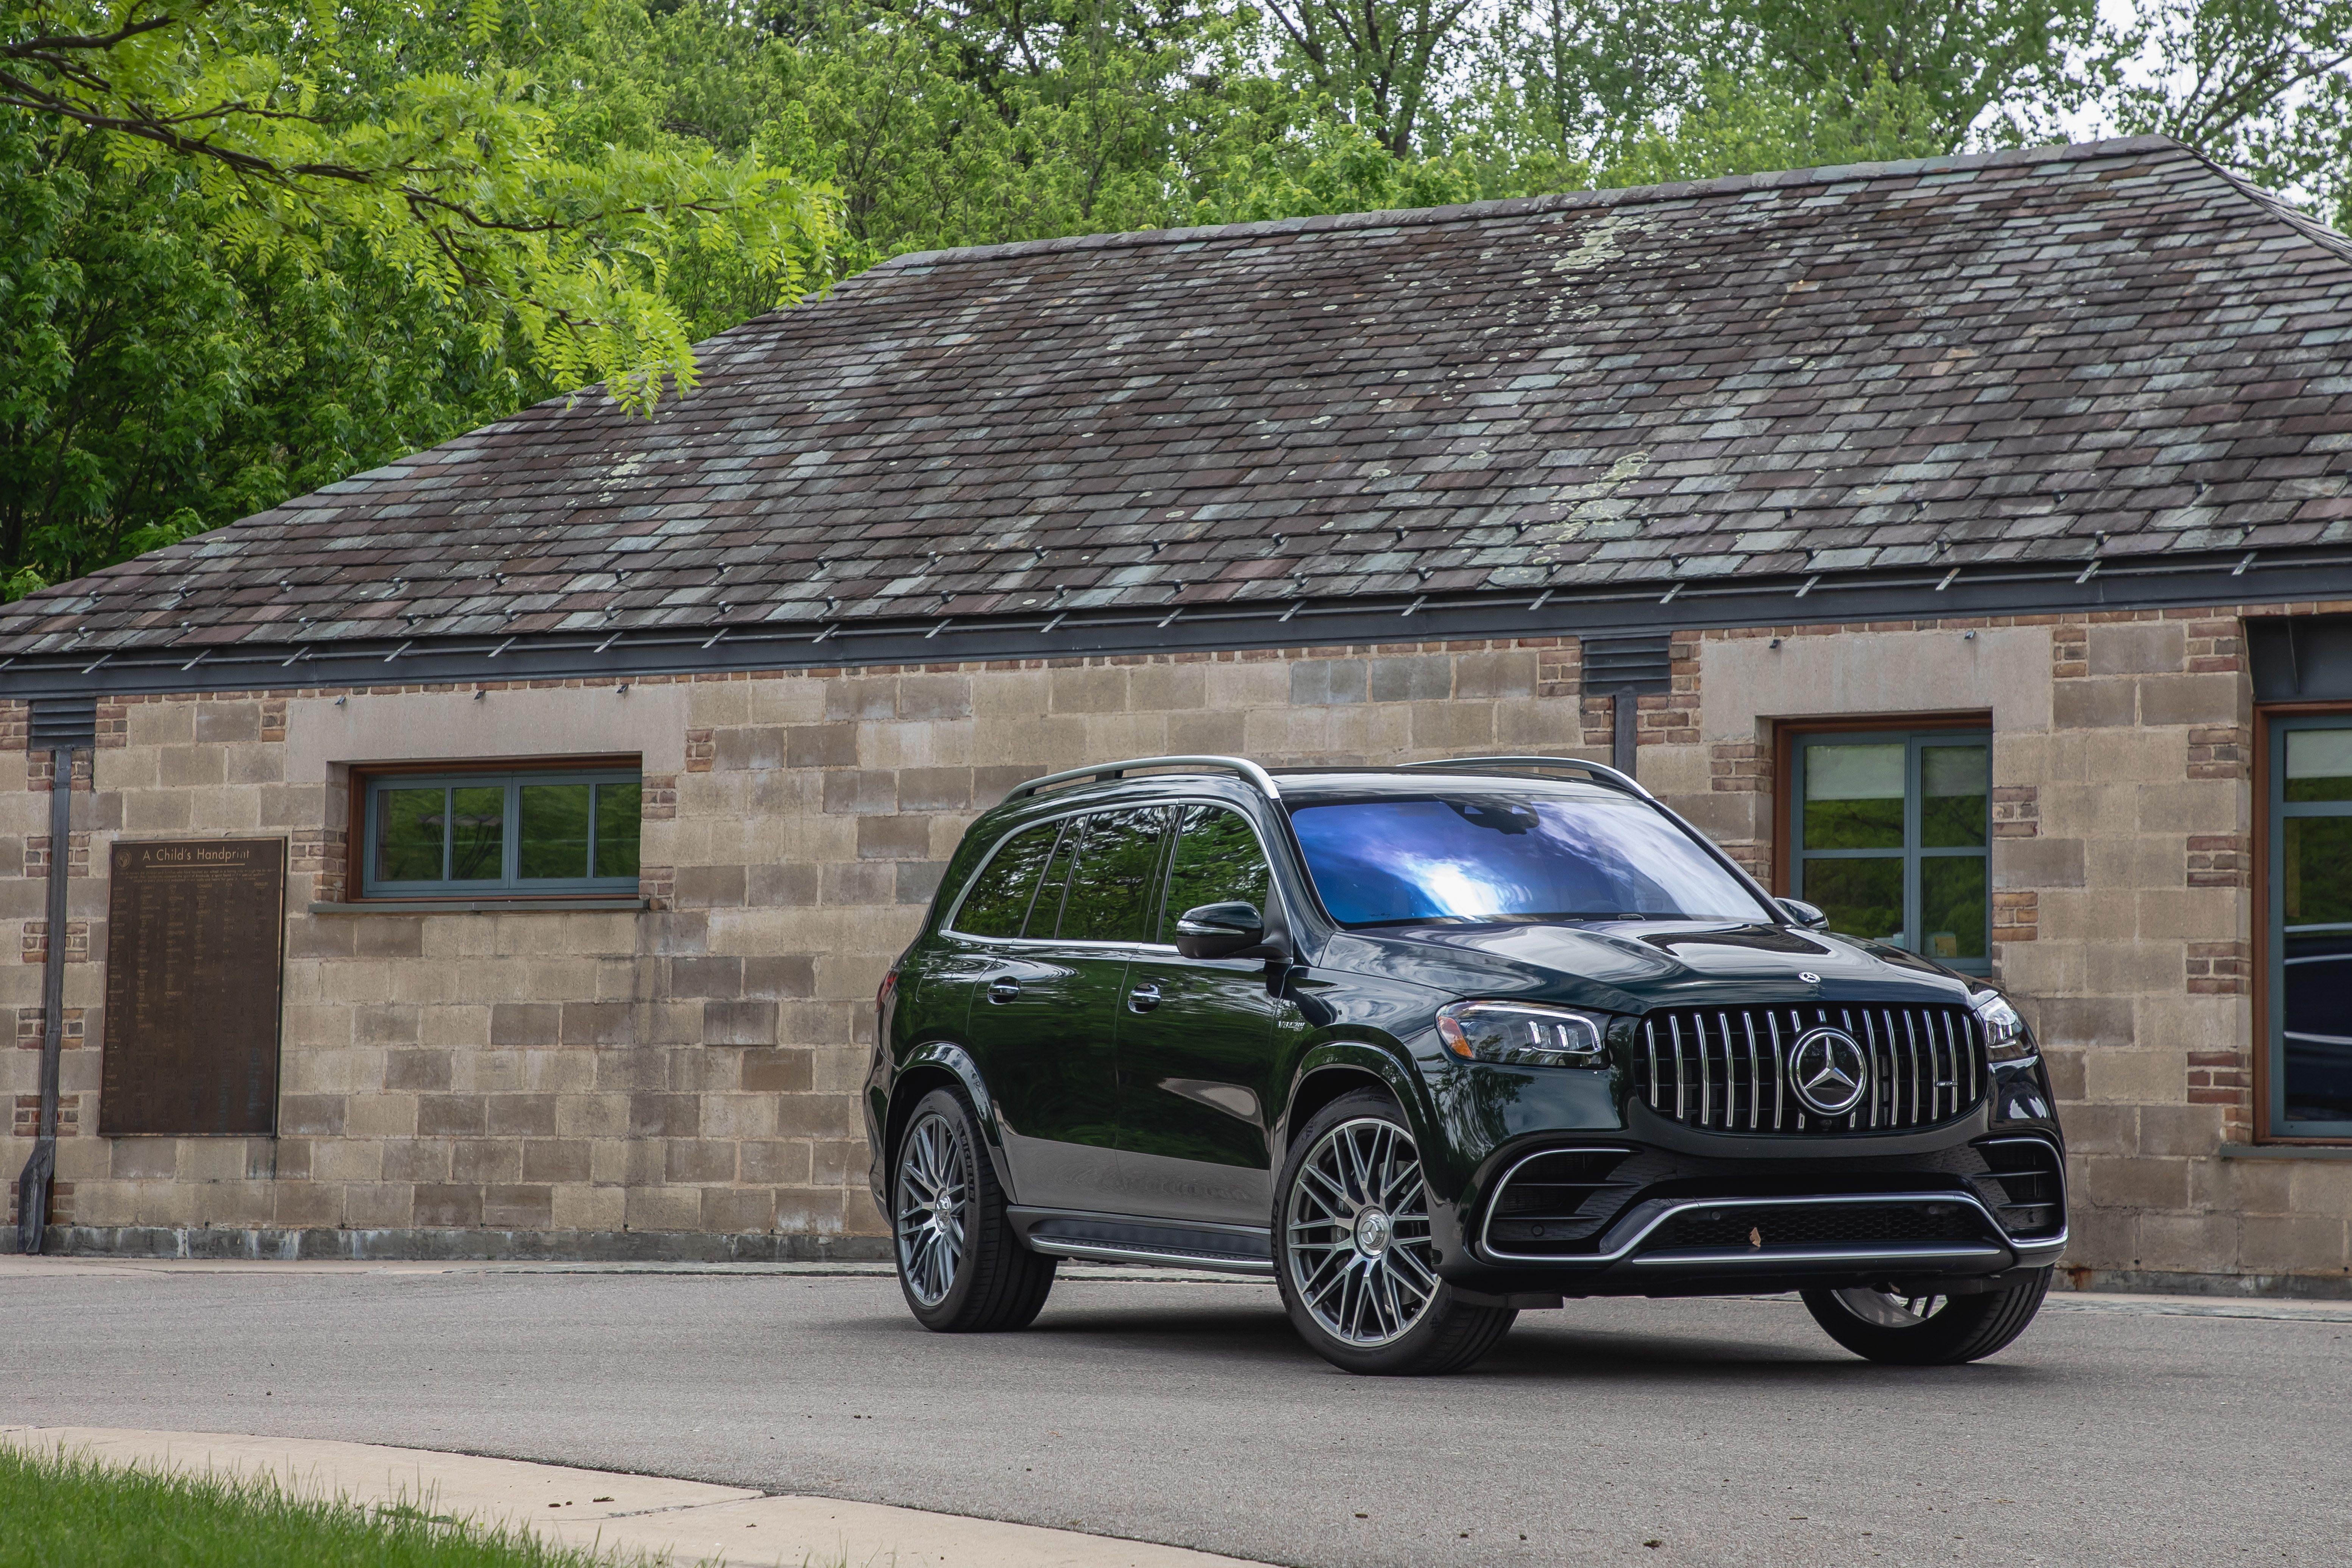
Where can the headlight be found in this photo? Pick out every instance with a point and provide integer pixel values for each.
(2007, 1039)
(1521, 1034)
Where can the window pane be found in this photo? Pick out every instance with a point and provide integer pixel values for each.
(1217, 861)
(999, 900)
(2319, 764)
(554, 840)
(1046, 915)
(2318, 1073)
(477, 819)
(2318, 857)
(1861, 898)
(620, 811)
(408, 829)
(1111, 884)
(1954, 781)
(1952, 906)
(1853, 797)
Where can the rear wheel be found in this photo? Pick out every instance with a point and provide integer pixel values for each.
(960, 1267)
(1353, 1254)
(1927, 1331)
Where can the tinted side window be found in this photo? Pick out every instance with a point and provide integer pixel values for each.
(1047, 911)
(1000, 896)
(1110, 890)
(1217, 861)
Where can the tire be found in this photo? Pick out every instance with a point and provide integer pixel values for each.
(1361, 1290)
(960, 1267)
(1941, 1331)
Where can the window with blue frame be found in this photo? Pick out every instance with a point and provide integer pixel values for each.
(458, 834)
(2310, 846)
(1890, 834)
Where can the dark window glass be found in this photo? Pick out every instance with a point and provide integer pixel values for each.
(1853, 797)
(620, 814)
(1217, 861)
(999, 901)
(554, 830)
(1111, 886)
(2311, 909)
(1499, 858)
(1045, 913)
(534, 832)
(1891, 832)
(1861, 898)
(410, 828)
(477, 822)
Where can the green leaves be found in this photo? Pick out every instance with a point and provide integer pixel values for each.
(298, 127)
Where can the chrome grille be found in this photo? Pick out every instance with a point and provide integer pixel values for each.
(1725, 1069)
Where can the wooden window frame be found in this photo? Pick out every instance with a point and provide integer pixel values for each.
(1787, 733)
(364, 775)
(2261, 990)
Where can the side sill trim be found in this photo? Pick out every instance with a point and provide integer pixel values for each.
(1101, 1253)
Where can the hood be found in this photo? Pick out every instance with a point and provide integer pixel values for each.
(1634, 966)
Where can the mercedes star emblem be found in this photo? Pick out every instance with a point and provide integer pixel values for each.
(1809, 977)
(1828, 1072)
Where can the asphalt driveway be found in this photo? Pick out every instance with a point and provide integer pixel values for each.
(1652, 1432)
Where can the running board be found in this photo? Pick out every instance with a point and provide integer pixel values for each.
(1118, 1238)
(1096, 1252)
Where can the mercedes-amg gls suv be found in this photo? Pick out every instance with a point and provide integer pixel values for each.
(1432, 1045)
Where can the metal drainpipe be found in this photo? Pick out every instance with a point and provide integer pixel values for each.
(1622, 710)
(33, 1184)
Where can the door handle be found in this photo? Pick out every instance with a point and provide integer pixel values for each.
(1144, 997)
(1004, 990)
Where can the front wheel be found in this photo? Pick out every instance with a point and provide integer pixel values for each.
(1353, 1254)
(1927, 1331)
(960, 1267)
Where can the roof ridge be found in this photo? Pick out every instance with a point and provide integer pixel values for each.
(1559, 201)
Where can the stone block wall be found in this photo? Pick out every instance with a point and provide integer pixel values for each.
(681, 1080)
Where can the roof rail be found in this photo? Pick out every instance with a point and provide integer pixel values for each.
(1256, 776)
(1593, 771)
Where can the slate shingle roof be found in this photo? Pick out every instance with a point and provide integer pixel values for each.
(2110, 349)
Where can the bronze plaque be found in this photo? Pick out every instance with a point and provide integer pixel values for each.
(194, 947)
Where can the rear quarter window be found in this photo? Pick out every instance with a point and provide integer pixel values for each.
(998, 904)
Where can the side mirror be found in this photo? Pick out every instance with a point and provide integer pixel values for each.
(1805, 914)
(1221, 931)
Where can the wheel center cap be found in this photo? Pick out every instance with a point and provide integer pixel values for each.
(1372, 1232)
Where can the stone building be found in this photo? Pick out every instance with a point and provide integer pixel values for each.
(497, 853)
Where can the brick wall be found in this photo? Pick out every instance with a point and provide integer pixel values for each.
(560, 1081)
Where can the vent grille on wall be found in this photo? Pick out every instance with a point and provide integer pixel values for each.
(68, 721)
(1640, 664)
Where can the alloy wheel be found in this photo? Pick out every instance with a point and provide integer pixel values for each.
(1357, 1237)
(934, 1189)
(1886, 1309)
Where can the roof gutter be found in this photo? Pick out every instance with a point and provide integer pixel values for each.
(1928, 593)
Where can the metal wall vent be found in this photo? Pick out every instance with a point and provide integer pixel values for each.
(68, 721)
(2300, 657)
(1640, 664)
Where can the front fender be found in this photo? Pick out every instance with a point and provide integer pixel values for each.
(889, 1102)
(1391, 1064)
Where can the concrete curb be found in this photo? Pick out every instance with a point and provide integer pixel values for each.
(692, 1521)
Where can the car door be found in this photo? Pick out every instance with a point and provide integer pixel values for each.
(1196, 1067)
(1043, 1021)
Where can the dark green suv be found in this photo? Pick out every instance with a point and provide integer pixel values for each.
(1432, 1045)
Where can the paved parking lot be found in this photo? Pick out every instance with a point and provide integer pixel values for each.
(1652, 1432)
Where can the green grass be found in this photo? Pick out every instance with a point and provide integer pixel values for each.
(57, 1510)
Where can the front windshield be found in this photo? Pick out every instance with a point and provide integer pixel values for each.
(1465, 857)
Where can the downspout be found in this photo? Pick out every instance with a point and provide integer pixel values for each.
(1623, 708)
(33, 1184)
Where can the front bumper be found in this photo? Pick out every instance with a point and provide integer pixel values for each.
(1668, 1211)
